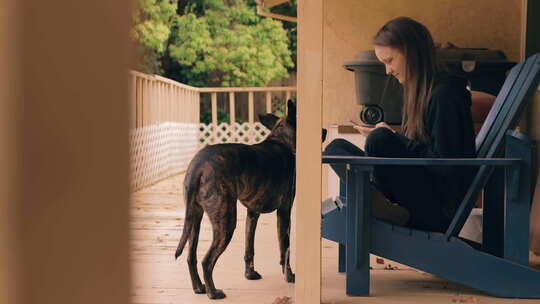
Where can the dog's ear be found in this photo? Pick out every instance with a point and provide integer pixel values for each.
(291, 112)
(324, 131)
(268, 120)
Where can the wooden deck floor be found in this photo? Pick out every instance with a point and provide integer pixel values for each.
(156, 224)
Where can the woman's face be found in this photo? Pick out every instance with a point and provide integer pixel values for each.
(393, 60)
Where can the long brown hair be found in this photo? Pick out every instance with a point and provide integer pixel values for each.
(414, 41)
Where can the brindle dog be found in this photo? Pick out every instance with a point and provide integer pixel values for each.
(260, 176)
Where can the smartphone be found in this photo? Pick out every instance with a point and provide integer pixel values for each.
(364, 126)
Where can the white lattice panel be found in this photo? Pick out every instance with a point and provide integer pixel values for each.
(161, 150)
(246, 133)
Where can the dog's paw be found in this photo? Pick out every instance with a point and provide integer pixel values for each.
(200, 290)
(217, 294)
(290, 277)
(252, 275)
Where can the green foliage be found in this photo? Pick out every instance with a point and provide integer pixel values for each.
(153, 20)
(212, 42)
(289, 9)
(230, 45)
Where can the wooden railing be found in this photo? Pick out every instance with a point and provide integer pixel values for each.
(164, 128)
(156, 99)
(231, 92)
(165, 123)
(247, 130)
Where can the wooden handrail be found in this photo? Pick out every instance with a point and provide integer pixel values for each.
(158, 99)
(243, 89)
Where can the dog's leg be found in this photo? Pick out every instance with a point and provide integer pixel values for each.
(197, 214)
(284, 229)
(251, 225)
(223, 225)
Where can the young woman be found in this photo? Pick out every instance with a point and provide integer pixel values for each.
(436, 123)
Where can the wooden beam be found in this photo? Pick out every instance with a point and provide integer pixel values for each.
(262, 4)
(277, 16)
(271, 3)
(308, 178)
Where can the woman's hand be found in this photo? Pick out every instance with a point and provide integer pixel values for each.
(365, 130)
(384, 125)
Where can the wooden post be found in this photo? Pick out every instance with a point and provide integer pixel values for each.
(197, 107)
(167, 101)
(158, 101)
(188, 106)
(149, 102)
(10, 115)
(154, 103)
(251, 115)
(146, 102)
(232, 109)
(162, 98)
(308, 178)
(132, 101)
(182, 99)
(268, 102)
(174, 104)
(171, 91)
(165, 95)
(184, 102)
(67, 204)
(138, 103)
(214, 108)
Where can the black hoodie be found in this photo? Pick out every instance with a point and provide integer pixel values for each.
(449, 129)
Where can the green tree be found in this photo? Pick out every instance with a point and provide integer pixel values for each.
(153, 20)
(289, 8)
(225, 43)
(213, 42)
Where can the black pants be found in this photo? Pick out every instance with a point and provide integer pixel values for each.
(409, 186)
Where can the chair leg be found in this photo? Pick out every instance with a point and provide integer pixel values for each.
(493, 214)
(341, 258)
(358, 232)
(518, 201)
(342, 253)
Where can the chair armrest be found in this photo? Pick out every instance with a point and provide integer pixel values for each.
(382, 161)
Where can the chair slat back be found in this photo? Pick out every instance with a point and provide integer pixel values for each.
(503, 116)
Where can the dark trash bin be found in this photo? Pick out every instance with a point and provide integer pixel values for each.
(382, 95)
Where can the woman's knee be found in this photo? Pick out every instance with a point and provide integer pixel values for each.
(380, 142)
(339, 146)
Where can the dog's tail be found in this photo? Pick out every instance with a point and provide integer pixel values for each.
(190, 190)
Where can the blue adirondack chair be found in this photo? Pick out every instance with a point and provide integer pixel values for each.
(500, 265)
